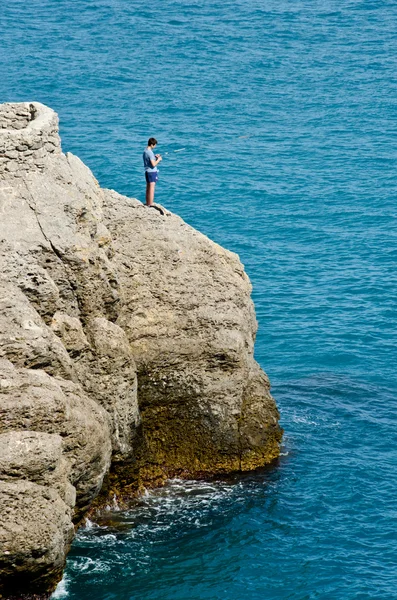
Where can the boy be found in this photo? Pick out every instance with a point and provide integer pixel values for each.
(150, 162)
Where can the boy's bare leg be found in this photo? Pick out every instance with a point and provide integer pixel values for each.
(150, 193)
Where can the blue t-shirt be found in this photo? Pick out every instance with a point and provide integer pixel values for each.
(148, 155)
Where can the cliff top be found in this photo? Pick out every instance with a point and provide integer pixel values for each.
(28, 133)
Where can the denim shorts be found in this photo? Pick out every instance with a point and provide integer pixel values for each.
(151, 176)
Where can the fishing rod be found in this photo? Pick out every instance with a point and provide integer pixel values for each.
(173, 151)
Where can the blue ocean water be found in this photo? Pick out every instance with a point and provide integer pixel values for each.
(287, 115)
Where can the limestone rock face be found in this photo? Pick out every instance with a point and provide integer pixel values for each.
(187, 311)
(126, 351)
(35, 532)
(68, 390)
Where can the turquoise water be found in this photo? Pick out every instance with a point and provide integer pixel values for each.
(287, 114)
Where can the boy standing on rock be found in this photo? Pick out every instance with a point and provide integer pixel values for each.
(150, 162)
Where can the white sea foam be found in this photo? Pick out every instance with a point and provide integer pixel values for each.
(89, 524)
(90, 566)
(61, 589)
(318, 422)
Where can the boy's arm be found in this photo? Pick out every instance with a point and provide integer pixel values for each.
(154, 158)
(154, 163)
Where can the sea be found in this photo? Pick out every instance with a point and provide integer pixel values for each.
(277, 122)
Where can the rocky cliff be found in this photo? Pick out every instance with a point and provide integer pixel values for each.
(126, 351)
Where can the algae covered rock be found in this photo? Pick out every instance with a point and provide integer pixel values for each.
(126, 351)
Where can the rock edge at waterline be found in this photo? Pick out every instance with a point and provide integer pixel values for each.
(126, 351)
